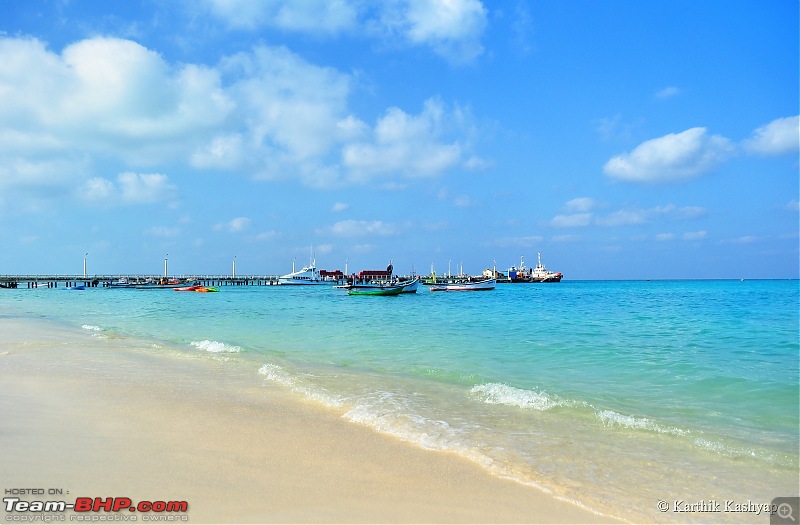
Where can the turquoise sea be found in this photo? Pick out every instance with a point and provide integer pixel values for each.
(617, 395)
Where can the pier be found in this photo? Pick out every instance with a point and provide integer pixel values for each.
(104, 281)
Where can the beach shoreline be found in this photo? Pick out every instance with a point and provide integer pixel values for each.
(137, 424)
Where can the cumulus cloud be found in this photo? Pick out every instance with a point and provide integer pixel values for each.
(411, 145)
(266, 113)
(129, 188)
(452, 29)
(328, 16)
(106, 95)
(673, 157)
(779, 137)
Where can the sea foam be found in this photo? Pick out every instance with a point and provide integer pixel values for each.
(215, 346)
(277, 374)
(501, 394)
(610, 418)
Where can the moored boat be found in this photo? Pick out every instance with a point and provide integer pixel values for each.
(378, 290)
(187, 288)
(308, 275)
(206, 289)
(464, 286)
(408, 286)
(539, 274)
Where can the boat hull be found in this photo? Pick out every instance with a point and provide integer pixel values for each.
(287, 281)
(407, 286)
(385, 291)
(467, 286)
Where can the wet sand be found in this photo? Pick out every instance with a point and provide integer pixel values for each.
(102, 418)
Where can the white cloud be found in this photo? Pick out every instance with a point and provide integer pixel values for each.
(635, 216)
(450, 28)
(673, 157)
(339, 206)
(623, 217)
(291, 114)
(328, 16)
(573, 220)
(744, 239)
(266, 236)
(412, 146)
(793, 205)
(100, 97)
(266, 114)
(98, 189)
(353, 228)
(665, 237)
(129, 188)
(695, 236)
(581, 204)
(779, 137)
(234, 225)
(668, 92)
(144, 188)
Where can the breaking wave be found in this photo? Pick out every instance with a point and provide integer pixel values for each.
(216, 347)
(501, 394)
(277, 374)
(609, 418)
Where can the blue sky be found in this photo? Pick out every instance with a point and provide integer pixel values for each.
(621, 139)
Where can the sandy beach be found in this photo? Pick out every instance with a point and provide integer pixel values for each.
(100, 418)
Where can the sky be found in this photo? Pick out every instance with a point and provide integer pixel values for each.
(620, 139)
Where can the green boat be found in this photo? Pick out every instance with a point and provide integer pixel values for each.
(383, 290)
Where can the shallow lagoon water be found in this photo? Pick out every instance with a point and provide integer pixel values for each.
(615, 395)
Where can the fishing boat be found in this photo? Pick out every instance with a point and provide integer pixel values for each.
(157, 284)
(408, 286)
(464, 286)
(378, 290)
